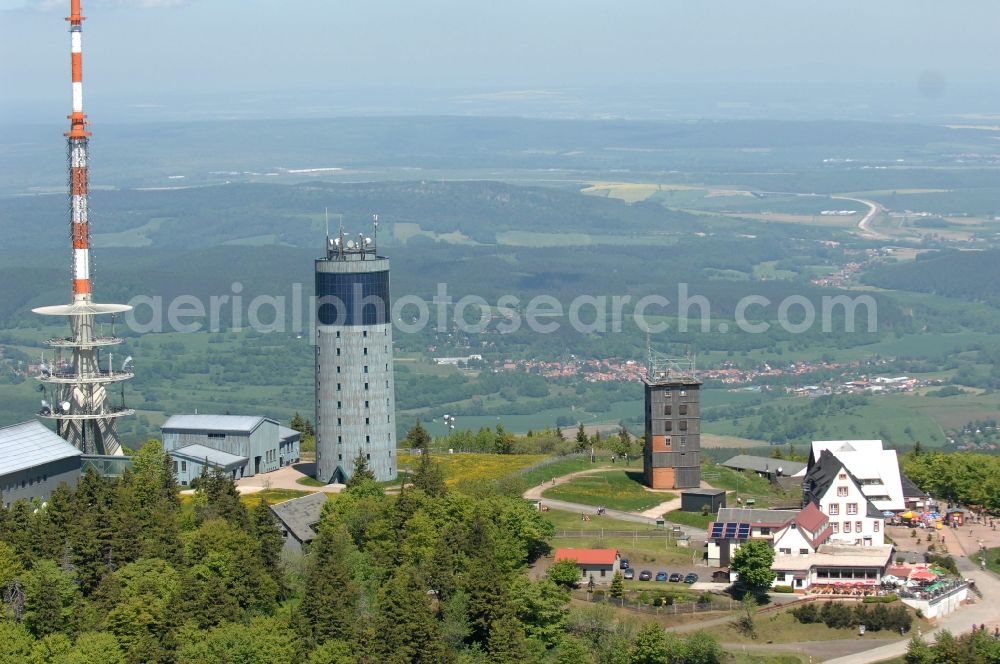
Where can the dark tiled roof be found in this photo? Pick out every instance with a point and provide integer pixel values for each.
(822, 475)
(910, 490)
(763, 464)
(299, 515)
(756, 517)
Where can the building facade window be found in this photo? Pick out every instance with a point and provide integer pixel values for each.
(847, 526)
(875, 525)
(852, 508)
(842, 491)
(834, 509)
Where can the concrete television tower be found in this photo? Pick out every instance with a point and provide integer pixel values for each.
(355, 394)
(76, 389)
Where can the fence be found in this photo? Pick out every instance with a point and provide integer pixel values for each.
(680, 608)
(548, 462)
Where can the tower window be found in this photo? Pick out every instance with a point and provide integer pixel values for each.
(366, 368)
(338, 421)
(368, 439)
(364, 333)
(367, 420)
(338, 404)
(338, 334)
(338, 352)
(366, 350)
(366, 404)
(338, 387)
(369, 456)
(338, 368)
(366, 386)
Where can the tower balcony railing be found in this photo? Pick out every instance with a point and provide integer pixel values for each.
(88, 377)
(70, 342)
(105, 414)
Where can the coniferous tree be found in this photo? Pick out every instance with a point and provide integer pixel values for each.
(270, 542)
(581, 438)
(617, 586)
(484, 582)
(429, 477)
(506, 642)
(417, 437)
(362, 473)
(407, 631)
(330, 602)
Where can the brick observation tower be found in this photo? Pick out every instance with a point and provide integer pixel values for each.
(672, 454)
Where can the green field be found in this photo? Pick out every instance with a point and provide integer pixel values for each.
(557, 468)
(693, 519)
(782, 627)
(617, 489)
(992, 559)
(654, 553)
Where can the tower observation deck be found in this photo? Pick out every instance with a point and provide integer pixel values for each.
(76, 389)
(355, 394)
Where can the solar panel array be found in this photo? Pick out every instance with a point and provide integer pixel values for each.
(729, 530)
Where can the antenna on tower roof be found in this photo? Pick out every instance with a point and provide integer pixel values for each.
(375, 234)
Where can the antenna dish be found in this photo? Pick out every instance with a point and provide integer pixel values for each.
(336, 241)
(45, 404)
(351, 244)
(368, 241)
(65, 406)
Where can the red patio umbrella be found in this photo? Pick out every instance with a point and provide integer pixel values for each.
(923, 575)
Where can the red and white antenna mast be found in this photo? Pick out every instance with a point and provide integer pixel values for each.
(77, 389)
(76, 138)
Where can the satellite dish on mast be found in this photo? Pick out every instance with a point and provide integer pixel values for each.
(64, 406)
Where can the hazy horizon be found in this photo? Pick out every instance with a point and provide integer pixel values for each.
(150, 60)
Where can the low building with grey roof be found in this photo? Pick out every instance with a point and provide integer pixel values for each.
(765, 466)
(34, 460)
(298, 520)
(239, 445)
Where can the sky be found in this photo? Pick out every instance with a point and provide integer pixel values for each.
(557, 57)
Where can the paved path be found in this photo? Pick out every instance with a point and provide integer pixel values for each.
(285, 478)
(983, 611)
(535, 493)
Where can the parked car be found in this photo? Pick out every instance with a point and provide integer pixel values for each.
(623, 564)
(629, 574)
(691, 578)
(645, 575)
(661, 576)
(675, 577)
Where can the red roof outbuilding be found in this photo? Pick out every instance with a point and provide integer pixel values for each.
(588, 556)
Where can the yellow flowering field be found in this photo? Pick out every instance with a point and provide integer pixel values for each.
(473, 466)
